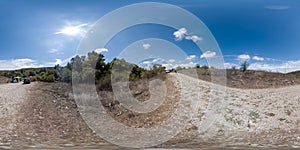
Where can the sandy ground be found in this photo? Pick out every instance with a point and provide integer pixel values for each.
(45, 116)
(254, 117)
(12, 96)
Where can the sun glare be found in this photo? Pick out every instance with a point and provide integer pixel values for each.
(72, 30)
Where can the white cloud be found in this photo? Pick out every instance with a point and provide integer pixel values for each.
(183, 65)
(187, 65)
(208, 54)
(73, 30)
(14, 64)
(146, 45)
(147, 62)
(53, 50)
(194, 38)
(58, 62)
(191, 57)
(156, 60)
(172, 60)
(283, 67)
(100, 50)
(258, 58)
(243, 57)
(180, 34)
(230, 65)
(278, 7)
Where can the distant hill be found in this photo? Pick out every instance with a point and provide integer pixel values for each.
(250, 79)
(297, 73)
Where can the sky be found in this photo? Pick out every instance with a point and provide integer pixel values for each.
(38, 33)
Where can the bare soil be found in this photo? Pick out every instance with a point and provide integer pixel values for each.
(45, 115)
(50, 117)
(3, 80)
(249, 79)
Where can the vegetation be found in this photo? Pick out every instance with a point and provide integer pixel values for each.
(93, 66)
(297, 73)
(244, 66)
(254, 116)
(47, 74)
(83, 69)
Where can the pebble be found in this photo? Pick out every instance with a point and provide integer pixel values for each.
(68, 145)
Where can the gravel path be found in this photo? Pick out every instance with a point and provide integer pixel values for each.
(11, 97)
(229, 114)
(221, 115)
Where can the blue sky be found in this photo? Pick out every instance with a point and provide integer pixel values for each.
(36, 33)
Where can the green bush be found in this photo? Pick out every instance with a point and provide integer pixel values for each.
(51, 78)
(67, 75)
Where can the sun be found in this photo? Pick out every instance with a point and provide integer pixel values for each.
(72, 30)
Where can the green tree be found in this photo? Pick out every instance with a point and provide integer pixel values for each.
(66, 75)
(244, 66)
(76, 77)
(76, 63)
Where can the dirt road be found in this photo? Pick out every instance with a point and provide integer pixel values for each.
(49, 116)
(12, 96)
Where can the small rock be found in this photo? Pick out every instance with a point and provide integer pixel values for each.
(68, 145)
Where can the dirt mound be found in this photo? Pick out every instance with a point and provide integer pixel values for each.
(3, 79)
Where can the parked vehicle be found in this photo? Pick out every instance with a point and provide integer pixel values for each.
(26, 81)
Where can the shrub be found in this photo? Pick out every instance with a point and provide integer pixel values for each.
(205, 67)
(48, 78)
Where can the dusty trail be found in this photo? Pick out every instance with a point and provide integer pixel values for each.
(12, 96)
(268, 116)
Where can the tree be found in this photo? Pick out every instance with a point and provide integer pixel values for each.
(76, 63)
(244, 66)
(66, 75)
(179, 68)
(87, 71)
(69, 66)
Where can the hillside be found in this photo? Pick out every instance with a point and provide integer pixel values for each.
(249, 79)
(297, 73)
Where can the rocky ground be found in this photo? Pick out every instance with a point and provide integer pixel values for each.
(253, 116)
(3, 80)
(250, 79)
(44, 115)
(11, 98)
